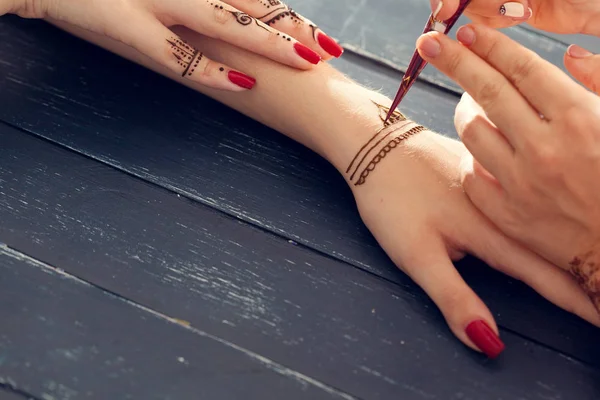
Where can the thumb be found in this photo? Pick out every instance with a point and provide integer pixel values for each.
(466, 314)
(584, 66)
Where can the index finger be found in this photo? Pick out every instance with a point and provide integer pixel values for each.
(502, 103)
(548, 89)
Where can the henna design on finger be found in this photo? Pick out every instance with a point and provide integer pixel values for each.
(586, 270)
(392, 144)
(187, 56)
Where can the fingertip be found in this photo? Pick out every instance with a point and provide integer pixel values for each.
(428, 45)
(578, 52)
(485, 337)
(240, 80)
(443, 9)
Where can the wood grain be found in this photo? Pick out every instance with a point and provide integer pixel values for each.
(69, 92)
(324, 319)
(64, 339)
(388, 29)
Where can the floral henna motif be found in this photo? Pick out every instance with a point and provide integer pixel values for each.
(283, 12)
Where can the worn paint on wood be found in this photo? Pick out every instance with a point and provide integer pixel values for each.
(219, 158)
(324, 319)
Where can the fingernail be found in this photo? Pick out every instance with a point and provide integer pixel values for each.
(485, 338)
(307, 53)
(578, 52)
(242, 80)
(465, 35)
(436, 7)
(330, 45)
(430, 47)
(515, 10)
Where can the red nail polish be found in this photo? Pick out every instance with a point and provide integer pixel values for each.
(485, 338)
(307, 53)
(242, 80)
(330, 45)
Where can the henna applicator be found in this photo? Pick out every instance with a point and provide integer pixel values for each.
(417, 64)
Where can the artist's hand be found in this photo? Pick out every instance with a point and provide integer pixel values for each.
(414, 205)
(559, 16)
(536, 178)
(266, 27)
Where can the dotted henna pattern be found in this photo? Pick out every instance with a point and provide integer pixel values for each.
(392, 144)
(187, 56)
(245, 19)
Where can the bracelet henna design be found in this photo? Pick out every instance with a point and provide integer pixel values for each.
(392, 144)
(586, 270)
(187, 56)
(397, 116)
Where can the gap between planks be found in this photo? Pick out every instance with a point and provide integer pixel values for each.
(239, 218)
(266, 362)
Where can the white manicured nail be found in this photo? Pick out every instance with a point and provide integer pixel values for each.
(438, 9)
(514, 10)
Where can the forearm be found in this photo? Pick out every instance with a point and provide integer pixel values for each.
(322, 109)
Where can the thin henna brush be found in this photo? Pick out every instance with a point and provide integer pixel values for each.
(417, 64)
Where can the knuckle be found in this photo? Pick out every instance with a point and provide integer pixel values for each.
(33, 9)
(521, 70)
(207, 67)
(470, 128)
(222, 16)
(453, 63)
(488, 94)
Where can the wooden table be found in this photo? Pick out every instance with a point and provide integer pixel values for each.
(166, 247)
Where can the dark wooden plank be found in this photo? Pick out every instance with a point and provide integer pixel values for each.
(65, 339)
(388, 29)
(108, 109)
(353, 331)
(8, 394)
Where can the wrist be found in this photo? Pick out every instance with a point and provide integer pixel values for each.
(356, 144)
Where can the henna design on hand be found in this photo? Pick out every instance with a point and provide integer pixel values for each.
(383, 111)
(586, 270)
(395, 123)
(187, 56)
(392, 144)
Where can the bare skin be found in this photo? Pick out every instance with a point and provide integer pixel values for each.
(422, 219)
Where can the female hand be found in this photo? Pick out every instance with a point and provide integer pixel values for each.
(414, 205)
(266, 27)
(535, 138)
(558, 16)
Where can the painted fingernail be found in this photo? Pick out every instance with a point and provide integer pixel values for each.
(429, 47)
(242, 80)
(485, 338)
(514, 10)
(465, 35)
(436, 7)
(307, 53)
(330, 45)
(578, 52)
